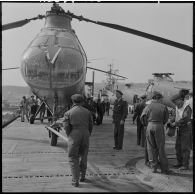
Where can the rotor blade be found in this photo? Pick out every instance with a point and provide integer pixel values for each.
(135, 32)
(10, 68)
(20, 23)
(106, 72)
(89, 61)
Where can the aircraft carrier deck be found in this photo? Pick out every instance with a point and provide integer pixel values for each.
(30, 164)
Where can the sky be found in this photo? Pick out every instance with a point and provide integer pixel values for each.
(135, 57)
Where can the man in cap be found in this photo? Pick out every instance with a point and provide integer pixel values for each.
(137, 113)
(156, 115)
(120, 113)
(78, 124)
(183, 139)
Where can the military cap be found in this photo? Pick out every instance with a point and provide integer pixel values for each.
(156, 94)
(143, 96)
(77, 98)
(119, 92)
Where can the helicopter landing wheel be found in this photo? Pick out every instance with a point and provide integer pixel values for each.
(31, 120)
(53, 139)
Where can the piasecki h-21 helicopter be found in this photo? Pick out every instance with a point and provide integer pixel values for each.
(54, 65)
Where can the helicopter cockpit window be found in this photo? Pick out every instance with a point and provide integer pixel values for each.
(167, 78)
(40, 41)
(74, 76)
(67, 43)
(43, 76)
(71, 76)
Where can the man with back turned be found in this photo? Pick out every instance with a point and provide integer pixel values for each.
(120, 113)
(156, 115)
(78, 125)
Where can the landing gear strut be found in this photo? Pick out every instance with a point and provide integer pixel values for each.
(53, 136)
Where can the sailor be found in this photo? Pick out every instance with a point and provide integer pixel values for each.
(183, 139)
(78, 124)
(120, 113)
(156, 115)
(137, 113)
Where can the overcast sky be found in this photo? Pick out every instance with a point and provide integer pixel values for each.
(135, 57)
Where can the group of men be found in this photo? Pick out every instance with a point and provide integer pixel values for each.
(29, 106)
(78, 124)
(151, 121)
(98, 109)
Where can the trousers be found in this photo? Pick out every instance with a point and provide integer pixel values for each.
(118, 134)
(139, 126)
(24, 112)
(155, 138)
(183, 146)
(78, 146)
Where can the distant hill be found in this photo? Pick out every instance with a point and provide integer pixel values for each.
(15, 93)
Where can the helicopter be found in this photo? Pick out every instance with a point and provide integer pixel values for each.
(161, 82)
(54, 64)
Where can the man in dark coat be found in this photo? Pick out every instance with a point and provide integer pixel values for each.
(120, 113)
(140, 128)
(107, 107)
(102, 111)
(99, 112)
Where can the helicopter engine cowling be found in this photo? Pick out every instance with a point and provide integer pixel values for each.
(54, 63)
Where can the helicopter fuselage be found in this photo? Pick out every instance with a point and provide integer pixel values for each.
(54, 63)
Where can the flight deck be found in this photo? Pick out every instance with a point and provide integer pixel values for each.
(30, 164)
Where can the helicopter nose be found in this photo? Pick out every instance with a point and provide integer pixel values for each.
(59, 71)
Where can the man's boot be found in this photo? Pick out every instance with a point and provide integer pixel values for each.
(82, 179)
(75, 183)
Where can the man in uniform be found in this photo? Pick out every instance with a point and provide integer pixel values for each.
(78, 125)
(183, 140)
(156, 115)
(107, 107)
(102, 110)
(120, 113)
(137, 113)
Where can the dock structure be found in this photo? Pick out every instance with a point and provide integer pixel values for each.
(30, 164)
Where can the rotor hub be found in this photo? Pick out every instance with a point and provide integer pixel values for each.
(57, 18)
